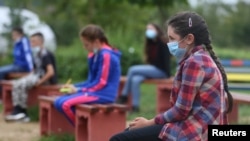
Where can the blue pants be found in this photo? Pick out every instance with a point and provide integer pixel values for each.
(9, 68)
(135, 76)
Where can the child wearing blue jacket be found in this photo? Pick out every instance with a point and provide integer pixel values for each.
(103, 78)
(22, 56)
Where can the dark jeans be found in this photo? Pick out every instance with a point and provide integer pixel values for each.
(9, 68)
(149, 133)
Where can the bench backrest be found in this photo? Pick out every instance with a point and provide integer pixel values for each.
(242, 98)
(237, 70)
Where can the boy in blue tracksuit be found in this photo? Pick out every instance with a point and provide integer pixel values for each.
(103, 78)
(22, 55)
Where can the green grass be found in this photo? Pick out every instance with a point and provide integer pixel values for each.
(58, 138)
(34, 113)
(1, 108)
(147, 102)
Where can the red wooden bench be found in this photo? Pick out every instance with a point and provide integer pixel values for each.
(162, 95)
(50, 120)
(239, 98)
(15, 75)
(32, 97)
(90, 120)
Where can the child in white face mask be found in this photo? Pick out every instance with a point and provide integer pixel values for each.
(44, 73)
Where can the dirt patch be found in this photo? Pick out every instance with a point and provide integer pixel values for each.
(17, 131)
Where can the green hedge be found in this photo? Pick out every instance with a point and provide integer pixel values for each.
(72, 62)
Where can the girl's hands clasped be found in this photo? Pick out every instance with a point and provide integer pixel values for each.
(140, 122)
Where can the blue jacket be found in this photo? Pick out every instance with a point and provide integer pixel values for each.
(22, 54)
(104, 74)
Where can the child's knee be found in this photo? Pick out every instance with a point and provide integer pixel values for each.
(65, 106)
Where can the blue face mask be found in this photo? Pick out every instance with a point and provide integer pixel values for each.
(151, 34)
(175, 50)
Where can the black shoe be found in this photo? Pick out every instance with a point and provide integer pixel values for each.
(122, 100)
(17, 114)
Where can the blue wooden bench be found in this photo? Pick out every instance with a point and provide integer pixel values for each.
(238, 73)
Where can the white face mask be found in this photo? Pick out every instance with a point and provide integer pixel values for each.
(35, 50)
(150, 33)
(95, 50)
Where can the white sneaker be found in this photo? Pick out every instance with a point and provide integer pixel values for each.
(17, 116)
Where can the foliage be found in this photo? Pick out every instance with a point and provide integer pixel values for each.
(223, 19)
(69, 17)
(131, 16)
(71, 63)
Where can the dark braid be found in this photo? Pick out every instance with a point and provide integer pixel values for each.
(224, 76)
(198, 27)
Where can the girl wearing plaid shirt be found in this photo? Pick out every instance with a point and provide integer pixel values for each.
(199, 92)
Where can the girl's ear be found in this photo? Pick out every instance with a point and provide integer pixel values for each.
(189, 39)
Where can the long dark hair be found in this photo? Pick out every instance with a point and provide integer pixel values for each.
(187, 22)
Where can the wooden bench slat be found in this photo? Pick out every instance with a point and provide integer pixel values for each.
(241, 98)
(88, 108)
(239, 86)
(238, 77)
(237, 69)
(235, 62)
(151, 80)
(47, 98)
(15, 75)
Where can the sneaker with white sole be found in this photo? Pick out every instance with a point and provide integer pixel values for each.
(17, 114)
